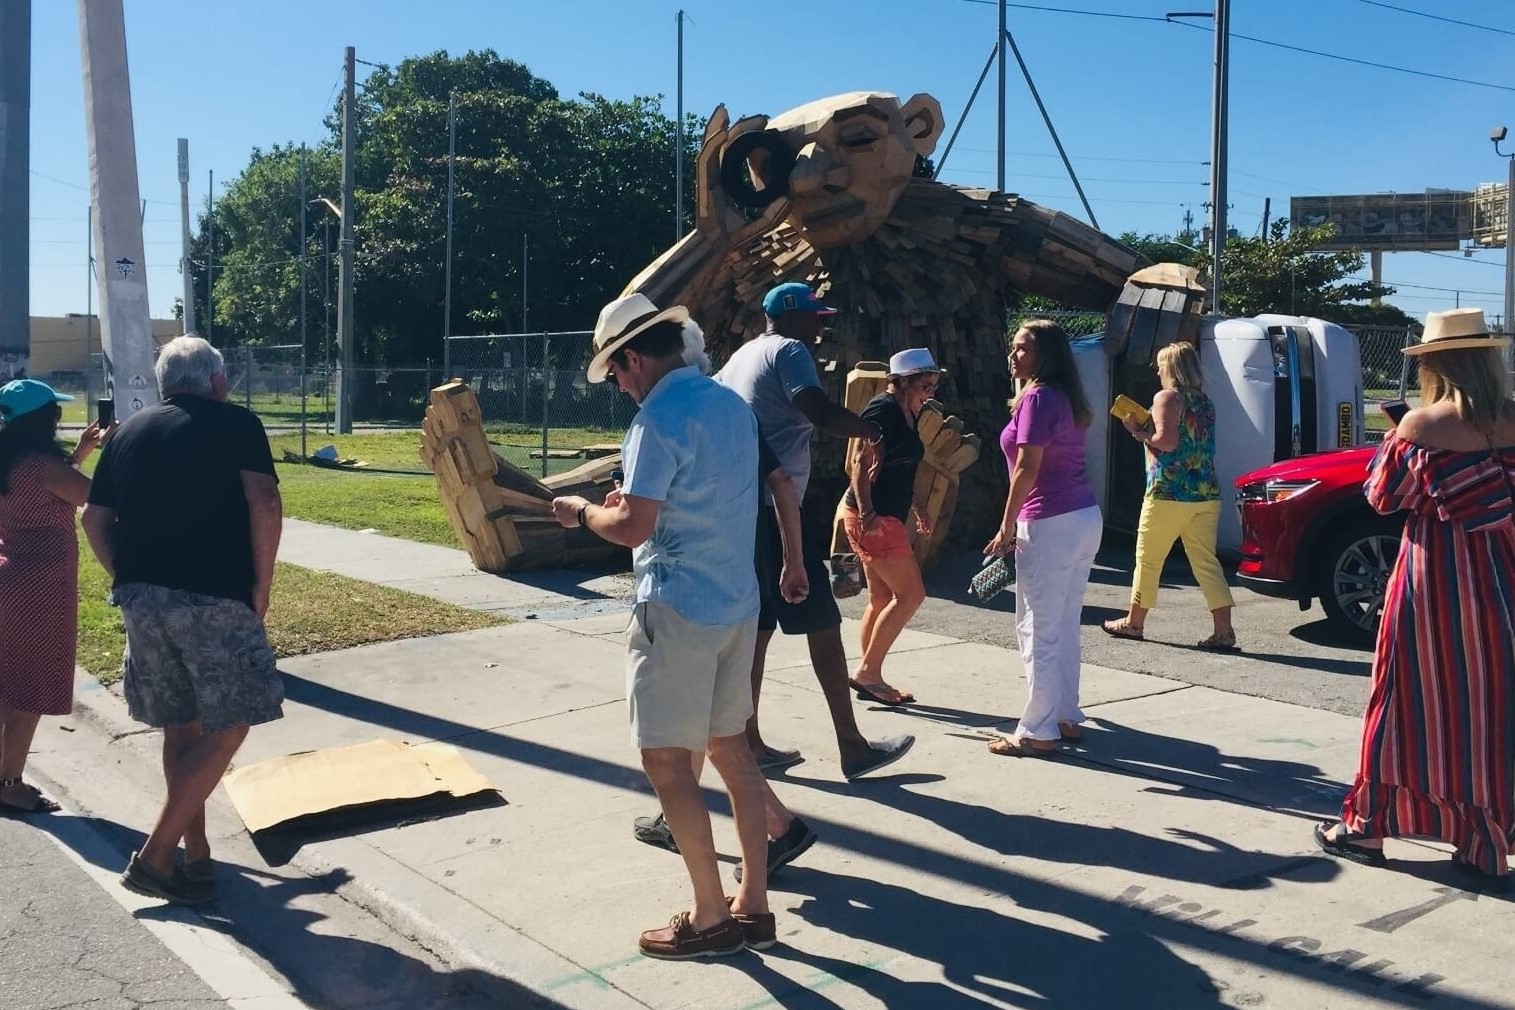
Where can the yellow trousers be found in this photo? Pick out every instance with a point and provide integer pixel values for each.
(1163, 522)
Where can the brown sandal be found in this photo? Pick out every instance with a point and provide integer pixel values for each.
(1070, 731)
(39, 804)
(1123, 629)
(1219, 643)
(1006, 746)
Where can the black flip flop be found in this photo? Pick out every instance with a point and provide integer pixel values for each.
(1341, 846)
(868, 692)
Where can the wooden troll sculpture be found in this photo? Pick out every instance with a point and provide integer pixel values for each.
(831, 199)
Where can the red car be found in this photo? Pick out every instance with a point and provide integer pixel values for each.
(1308, 533)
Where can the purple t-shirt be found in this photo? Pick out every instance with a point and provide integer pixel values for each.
(1045, 417)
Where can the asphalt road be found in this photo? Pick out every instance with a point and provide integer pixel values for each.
(1287, 655)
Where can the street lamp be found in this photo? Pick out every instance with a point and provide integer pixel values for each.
(1497, 136)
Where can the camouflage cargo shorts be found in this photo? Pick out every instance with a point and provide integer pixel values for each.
(193, 657)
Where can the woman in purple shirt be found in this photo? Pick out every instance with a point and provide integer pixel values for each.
(1053, 525)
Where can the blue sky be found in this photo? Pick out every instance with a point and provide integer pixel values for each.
(1130, 98)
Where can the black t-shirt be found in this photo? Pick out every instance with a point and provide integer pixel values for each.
(894, 487)
(173, 475)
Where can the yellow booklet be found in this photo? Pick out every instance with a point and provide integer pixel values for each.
(1125, 407)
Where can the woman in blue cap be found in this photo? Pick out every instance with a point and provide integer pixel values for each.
(40, 487)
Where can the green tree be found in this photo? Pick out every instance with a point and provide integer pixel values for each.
(587, 182)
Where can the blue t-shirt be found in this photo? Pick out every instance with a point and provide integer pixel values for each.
(767, 372)
(693, 447)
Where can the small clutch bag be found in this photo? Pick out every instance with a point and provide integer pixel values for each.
(997, 575)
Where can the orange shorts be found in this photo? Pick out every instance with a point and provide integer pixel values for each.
(888, 538)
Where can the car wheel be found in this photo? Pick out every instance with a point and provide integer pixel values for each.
(1354, 576)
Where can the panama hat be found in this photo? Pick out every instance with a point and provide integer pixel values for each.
(621, 320)
(1456, 330)
(912, 362)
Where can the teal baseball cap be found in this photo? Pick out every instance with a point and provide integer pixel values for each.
(794, 297)
(22, 396)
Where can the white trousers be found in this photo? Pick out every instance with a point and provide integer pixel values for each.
(1053, 558)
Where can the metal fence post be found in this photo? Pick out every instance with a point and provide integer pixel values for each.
(546, 382)
(247, 376)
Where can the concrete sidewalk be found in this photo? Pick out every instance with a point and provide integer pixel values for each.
(1166, 860)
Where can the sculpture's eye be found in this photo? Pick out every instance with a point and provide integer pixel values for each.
(860, 141)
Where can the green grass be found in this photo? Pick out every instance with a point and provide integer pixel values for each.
(395, 505)
(311, 612)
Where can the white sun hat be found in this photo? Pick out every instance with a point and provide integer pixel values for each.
(912, 362)
(621, 320)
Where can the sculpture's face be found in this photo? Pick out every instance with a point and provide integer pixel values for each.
(853, 156)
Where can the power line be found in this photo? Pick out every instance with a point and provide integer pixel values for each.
(1352, 59)
(1087, 157)
(1436, 17)
(1144, 182)
(1069, 10)
(1460, 258)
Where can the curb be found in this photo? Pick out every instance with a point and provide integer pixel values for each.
(500, 959)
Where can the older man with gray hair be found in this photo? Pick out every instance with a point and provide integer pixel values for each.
(185, 515)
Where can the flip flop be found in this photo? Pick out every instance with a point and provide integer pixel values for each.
(1342, 847)
(1006, 746)
(870, 692)
(1122, 629)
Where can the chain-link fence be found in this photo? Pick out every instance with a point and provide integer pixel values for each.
(534, 383)
(1074, 323)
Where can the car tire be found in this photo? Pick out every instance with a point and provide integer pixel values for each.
(1355, 561)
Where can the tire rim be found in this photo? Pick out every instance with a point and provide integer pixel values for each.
(1360, 579)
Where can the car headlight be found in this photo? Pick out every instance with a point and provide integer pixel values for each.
(1274, 490)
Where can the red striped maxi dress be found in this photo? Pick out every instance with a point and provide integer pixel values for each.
(1438, 739)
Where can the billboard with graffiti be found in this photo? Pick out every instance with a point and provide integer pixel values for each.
(1435, 219)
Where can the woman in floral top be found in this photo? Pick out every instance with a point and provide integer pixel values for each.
(1183, 497)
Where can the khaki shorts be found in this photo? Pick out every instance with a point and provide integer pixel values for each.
(686, 682)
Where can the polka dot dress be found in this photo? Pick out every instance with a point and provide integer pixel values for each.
(39, 593)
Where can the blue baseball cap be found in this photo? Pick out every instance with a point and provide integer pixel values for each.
(22, 396)
(794, 297)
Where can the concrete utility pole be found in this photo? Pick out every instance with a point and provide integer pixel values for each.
(185, 268)
(1219, 147)
(304, 361)
(15, 186)
(1003, 38)
(678, 142)
(125, 321)
(345, 241)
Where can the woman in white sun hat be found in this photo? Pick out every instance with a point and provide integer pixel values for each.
(1438, 738)
(876, 509)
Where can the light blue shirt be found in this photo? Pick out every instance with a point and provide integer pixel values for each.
(693, 447)
(767, 372)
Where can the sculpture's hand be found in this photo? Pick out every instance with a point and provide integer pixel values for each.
(717, 217)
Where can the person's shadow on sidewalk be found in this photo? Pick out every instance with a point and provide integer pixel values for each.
(985, 956)
(261, 910)
(1173, 853)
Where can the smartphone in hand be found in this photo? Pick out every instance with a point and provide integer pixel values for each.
(1394, 410)
(105, 411)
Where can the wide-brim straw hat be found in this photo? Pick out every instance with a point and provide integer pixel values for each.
(1456, 330)
(622, 320)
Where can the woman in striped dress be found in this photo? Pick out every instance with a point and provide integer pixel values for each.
(1438, 741)
(39, 577)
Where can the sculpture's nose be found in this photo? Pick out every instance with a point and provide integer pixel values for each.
(814, 168)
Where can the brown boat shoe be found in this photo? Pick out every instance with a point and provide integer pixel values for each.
(759, 931)
(680, 941)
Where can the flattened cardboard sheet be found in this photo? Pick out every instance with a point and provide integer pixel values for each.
(315, 783)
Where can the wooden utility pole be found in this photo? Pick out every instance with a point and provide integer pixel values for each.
(345, 242)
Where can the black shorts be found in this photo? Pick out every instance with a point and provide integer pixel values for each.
(818, 611)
